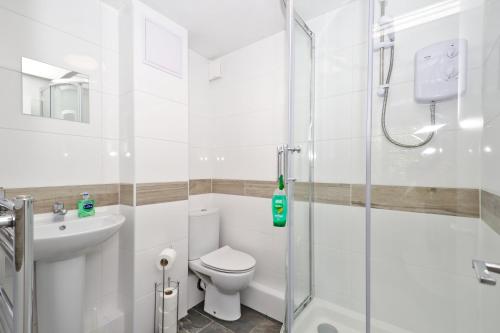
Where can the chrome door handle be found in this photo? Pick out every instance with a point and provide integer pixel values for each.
(282, 161)
(483, 271)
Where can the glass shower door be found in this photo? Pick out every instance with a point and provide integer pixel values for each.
(303, 166)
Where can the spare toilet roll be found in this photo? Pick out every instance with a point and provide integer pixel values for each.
(168, 329)
(169, 319)
(167, 256)
(168, 302)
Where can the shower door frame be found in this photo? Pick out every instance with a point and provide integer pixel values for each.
(293, 18)
(300, 22)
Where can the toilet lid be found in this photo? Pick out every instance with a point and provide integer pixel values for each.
(226, 259)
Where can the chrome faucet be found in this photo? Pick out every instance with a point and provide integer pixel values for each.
(7, 207)
(59, 210)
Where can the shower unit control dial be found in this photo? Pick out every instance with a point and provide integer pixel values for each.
(441, 71)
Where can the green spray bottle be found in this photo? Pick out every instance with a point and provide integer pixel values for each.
(279, 203)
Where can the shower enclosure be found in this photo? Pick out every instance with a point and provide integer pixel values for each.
(394, 198)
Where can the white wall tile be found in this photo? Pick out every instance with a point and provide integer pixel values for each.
(109, 27)
(44, 159)
(159, 224)
(490, 150)
(37, 41)
(240, 163)
(160, 118)
(160, 161)
(110, 116)
(82, 20)
(201, 161)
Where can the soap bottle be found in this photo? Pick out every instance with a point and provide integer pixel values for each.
(86, 206)
(279, 203)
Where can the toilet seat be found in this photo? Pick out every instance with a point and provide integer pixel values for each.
(228, 260)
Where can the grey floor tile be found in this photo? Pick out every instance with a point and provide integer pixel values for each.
(216, 328)
(251, 321)
(267, 327)
(194, 322)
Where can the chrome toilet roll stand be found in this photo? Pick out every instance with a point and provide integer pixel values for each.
(159, 321)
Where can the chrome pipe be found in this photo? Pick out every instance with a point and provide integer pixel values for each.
(8, 233)
(7, 247)
(23, 264)
(6, 311)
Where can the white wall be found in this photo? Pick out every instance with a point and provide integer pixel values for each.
(421, 275)
(154, 150)
(249, 122)
(48, 152)
(489, 240)
(200, 147)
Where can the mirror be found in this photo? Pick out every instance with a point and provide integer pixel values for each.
(53, 92)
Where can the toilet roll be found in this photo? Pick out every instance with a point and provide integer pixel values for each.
(167, 255)
(168, 300)
(168, 329)
(169, 319)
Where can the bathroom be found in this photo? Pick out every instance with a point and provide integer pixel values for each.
(258, 166)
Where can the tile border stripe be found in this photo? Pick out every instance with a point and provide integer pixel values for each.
(103, 194)
(464, 202)
(152, 193)
(431, 200)
(490, 210)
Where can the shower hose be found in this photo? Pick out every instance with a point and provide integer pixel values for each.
(432, 108)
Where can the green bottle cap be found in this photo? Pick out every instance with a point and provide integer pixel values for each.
(281, 183)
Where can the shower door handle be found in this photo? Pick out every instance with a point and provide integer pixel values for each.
(282, 161)
(483, 271)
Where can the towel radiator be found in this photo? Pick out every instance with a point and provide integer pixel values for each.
(16, 242)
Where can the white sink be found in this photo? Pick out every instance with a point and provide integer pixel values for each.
(61, 240)
(60, 250)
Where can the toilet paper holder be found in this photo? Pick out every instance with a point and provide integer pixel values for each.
(166, 310)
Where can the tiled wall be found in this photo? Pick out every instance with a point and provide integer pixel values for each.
(408, 248)
(81, 36)
(249, 122)
(235, 124)
(489, 231)
(200, 149)
(154, 141)
(244, 103)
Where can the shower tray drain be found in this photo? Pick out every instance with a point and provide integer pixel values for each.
(327, 328)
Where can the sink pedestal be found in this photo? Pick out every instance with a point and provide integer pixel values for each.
(60, 295)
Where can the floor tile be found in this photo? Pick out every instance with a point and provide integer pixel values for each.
(216, 328)
(251, 321)
(194, 322)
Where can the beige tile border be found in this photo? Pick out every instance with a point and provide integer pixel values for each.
(490, 210)
(151, 193)
(431, 200)
(228, 186)
(200, 186)
(103, 194)
(127, 194)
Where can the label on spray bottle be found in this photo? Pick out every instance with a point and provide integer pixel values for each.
(279, 203)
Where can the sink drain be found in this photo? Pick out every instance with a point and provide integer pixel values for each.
(327, 328)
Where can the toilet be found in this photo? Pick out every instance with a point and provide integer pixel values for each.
(224, 271)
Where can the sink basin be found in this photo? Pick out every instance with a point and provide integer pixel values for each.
(60, 250)
(73, 236)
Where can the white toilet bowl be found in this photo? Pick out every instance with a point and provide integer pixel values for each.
(225, 272)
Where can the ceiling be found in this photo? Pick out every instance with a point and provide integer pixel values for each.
(217, 27)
